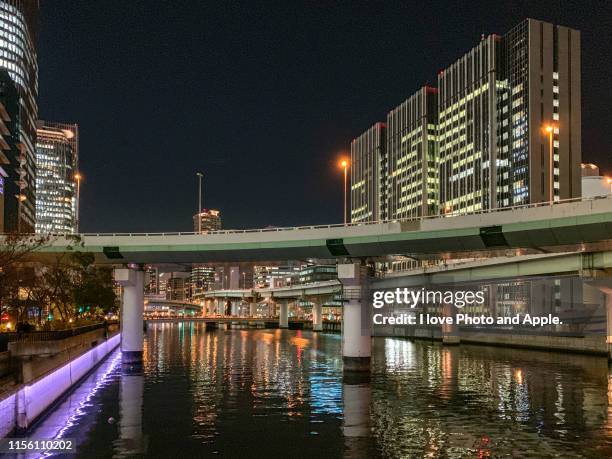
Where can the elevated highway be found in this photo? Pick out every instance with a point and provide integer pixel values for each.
(546, 228)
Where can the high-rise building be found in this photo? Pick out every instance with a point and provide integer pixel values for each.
(495, 104)
(57, 156)
(10, 154)
(18, 30)
(210, 221)
(203, 276)
(368, 172)
(503, 128)
(412, 157)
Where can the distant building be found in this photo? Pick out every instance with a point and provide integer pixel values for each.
(589, 170)
(176, 285)
(209, 219)
(412, 157)
(368, 175)
(57, 156)
(152, 280)
(203, 276)
(317, 273)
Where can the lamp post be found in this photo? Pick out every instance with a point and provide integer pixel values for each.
(200, 175)
(78, 178)
(551, 166)
(345, 164)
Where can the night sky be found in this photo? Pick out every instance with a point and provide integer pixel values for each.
(262, 97)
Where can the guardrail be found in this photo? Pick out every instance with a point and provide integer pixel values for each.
(54, 335)
(344, 225)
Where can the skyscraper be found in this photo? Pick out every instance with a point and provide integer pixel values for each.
(207, 220)
(368, 174)
(10, 153)
(495, 104)
(412, 180)
(18, 29)
(502, 128)
(57, 155)
(203, 276)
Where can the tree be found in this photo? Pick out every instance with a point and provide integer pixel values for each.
(14, 251)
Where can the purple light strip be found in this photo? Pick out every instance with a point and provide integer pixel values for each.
(52, 383)
(71, 419)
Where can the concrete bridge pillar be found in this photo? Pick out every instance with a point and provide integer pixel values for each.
(252, 309)
(450, 332)
(356, 325)
(132, 309)
(234, 310)
(283, 317)
(272, 308)
(220, 306)
(317, 316)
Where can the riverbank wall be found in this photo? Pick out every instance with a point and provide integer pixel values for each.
(45, 372)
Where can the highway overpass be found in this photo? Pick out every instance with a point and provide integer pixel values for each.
(559, 227)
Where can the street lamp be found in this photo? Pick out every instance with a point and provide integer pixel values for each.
(78, 178)
(344, 164)
(200, 175)
(551, 166)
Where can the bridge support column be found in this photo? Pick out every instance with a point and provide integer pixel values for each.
(283, 317)
(317, 316)
(356, 324)
(220, 306)
(252, 309)
(272, 308)
(132, 310)
(450, 332)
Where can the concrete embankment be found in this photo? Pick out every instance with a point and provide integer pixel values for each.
(588, 344)
(46, 370)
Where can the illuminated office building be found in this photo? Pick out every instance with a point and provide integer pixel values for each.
(494, 105)
(203, 276)
(368, 175)
(57, 154)
(18, 28)
(209, 219)
(502, 128)
(412, 157)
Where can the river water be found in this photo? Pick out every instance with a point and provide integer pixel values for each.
(281, 393)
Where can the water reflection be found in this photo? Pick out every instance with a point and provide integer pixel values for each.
(473, 400)
(282, 393)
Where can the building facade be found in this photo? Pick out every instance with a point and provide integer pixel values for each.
(412, 164)
(57, 156)
(209, 219)
(10, 154)
(502, 128)
(18, 30)
(203, 276)
(368, 175)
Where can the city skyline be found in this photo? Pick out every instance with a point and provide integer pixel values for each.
(327, 107)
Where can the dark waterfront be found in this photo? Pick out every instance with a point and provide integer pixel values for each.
(276, 393)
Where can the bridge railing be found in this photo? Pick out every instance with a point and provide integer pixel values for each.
(449, 214)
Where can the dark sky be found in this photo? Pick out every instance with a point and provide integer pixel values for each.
(261, 96)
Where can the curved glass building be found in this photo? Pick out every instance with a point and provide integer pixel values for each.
(18, 25)
(57, 146)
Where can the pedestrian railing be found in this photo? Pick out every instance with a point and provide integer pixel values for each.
(449, 214)
(51, 335)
